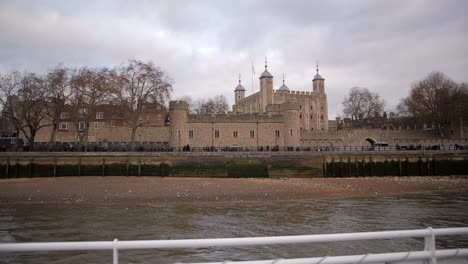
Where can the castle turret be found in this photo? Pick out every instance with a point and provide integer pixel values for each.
(318, 83)
(266, 88)
(283, 87)
(177, 123)
(239, 91)
(290, 111)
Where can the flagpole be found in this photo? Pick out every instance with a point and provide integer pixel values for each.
(253, 73)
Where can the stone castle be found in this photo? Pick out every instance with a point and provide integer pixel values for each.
(268, 118)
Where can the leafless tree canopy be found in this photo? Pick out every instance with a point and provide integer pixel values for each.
(32, 101)
(215, 105)
(361, 103)
(23, 102)
(90, 88)
(135, 85)
(437, 100)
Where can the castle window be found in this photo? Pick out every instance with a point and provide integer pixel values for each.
(321, 117)
(216, 132)
(81, 126)
(300, 116)
(235, 134)
(159, 116)
(321, 107)
(311, 117)
(300, 106)
(277, 133)
(96, 125)
(148, 117)
(112, 123)
(190, 133)
(63, 126)
(64, 115)
(252, 134)
(312, 107)
(290, 131)
(99, 115)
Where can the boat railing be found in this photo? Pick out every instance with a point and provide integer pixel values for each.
(429, 254)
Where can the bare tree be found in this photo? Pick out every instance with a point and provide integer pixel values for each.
(57, 93)
(24, 103)
(190, 102)
(10, 84)
(136, 84)
(434, 99)
(217, 104)
(362, 103)
(90, 89)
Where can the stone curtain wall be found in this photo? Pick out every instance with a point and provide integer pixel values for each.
(356, 137)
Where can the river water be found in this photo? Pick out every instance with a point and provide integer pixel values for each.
(80, 222)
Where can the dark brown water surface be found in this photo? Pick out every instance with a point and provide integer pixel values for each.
(86, 222)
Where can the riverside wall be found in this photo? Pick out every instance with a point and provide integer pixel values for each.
(234, 164)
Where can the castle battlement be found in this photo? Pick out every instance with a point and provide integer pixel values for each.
(232, 118)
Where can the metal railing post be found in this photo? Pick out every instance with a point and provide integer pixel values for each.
(429, 245)
(115, 253)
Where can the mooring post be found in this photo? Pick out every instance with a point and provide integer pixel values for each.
(363, 167)
(17, 168)
(420, 166)
(30, 168)
(54, 169)
(399, 166)
(385, 167)
(428, 166)
(356, 167)
(341, 167)
(7, 167)
(139, 167)
(127, 166)
(103, 167)
(79, 166)
(406, 166)
(333, 167)
(324, 165)
(348, 174)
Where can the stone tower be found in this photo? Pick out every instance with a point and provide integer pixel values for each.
(318, 83)
(177, 123)
(239, 91)
(290, 111)
(266, 88)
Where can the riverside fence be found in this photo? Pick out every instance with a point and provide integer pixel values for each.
(428, 255)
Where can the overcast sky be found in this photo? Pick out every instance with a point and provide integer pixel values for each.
(379, 44)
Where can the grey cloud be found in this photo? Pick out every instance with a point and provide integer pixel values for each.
(382, 45)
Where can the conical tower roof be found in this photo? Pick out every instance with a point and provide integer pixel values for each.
(283, 87)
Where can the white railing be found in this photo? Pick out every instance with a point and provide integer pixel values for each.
(428, 255)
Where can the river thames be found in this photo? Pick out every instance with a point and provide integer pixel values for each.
(41, 222)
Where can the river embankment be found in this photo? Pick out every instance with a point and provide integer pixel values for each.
(283, 164)
(113, 189)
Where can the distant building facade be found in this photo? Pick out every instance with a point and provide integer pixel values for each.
(266, 119)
